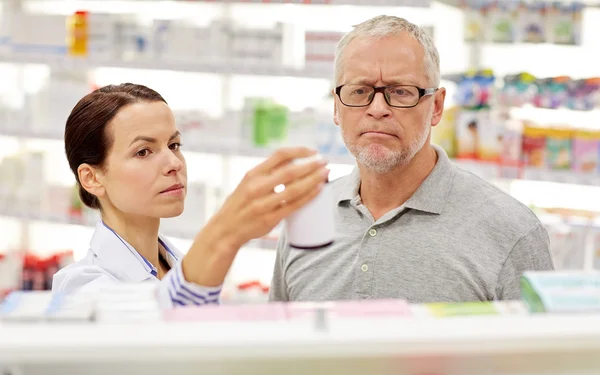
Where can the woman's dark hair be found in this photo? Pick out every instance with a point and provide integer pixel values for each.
(86, 139)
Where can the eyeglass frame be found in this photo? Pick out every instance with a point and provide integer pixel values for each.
(422, 92)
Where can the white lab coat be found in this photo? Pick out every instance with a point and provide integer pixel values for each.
(110, 259)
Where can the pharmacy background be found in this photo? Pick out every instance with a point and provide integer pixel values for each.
(246, 77)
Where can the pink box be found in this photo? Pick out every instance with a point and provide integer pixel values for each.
(351, 309)
(586, 151)
(279, 311)
(254, 312)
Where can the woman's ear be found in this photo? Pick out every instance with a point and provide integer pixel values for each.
(89, 179)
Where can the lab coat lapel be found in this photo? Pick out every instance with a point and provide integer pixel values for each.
(114, 256)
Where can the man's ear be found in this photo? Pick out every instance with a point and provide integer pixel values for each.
(336, 119)
(89, 179)
(438, 106)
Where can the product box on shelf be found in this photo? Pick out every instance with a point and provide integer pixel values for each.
(373, 309)
(489, 133)
(595, 248)
(534, 146)
(5, 32)
(257, 46)
(468, 127)
(39, 271)
(178, 41)
(12, 173)
(586, 151)
(302, 128)
(475, 20)
(175, 41)
(561, 292)
(265, 122)
(567, 245)
(132, 39)
(102, 36)
(565, 22)
(510, 155)
(38, 35)
(455, 309)
(11, 265)
(522, 21)
(50, 106)
(558, 148)
(248, 292)
(293, 311)
(320, 49)
(44, 306)
(501, 16)
(532, 22)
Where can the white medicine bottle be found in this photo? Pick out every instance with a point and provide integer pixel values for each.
(312, 227)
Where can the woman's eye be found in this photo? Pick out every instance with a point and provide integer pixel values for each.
(175, 146)
(142, 153)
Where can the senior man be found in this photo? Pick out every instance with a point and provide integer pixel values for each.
(410, 223)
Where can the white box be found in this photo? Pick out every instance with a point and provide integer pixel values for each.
(102, 37)
(5, 32)
(39, 36)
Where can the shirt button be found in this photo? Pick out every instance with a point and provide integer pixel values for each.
(372, 232)
(364, 268)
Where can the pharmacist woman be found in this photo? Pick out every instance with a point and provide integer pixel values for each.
(123, 147)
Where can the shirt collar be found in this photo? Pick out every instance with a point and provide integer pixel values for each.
(432, 194)
(121, 259)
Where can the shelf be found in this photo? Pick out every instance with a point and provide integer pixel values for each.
(567, 177)
(267, 243)
(400, 3)
(485, 170)
(515, 345)
(216, 67)
(226, 148)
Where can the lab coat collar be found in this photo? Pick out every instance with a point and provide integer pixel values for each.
(121, 259)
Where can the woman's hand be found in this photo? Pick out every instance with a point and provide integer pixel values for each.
(253, 210)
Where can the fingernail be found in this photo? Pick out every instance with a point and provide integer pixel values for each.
(326, 173)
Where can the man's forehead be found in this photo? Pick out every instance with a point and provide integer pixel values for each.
(388, 72)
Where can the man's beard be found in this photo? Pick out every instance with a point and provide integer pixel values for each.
(380, 159)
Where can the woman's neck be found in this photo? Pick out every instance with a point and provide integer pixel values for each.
(139, 232)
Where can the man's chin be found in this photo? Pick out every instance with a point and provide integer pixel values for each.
(378, 161)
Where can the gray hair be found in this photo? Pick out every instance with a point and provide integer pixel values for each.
(382, 26)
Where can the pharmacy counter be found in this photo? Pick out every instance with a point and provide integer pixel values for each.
(524, 345)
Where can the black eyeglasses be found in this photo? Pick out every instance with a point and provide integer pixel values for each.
(398, 96)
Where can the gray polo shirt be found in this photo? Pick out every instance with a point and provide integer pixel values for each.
(458, 238)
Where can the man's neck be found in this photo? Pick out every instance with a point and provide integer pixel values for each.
(383, 192)
(140, 233)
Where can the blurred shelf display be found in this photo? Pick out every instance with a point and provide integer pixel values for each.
(541, 334)
(523, 22)
(403, 3)
(223, 146)
(171, 231)
(345, 338)
(516, 129)
(223, 67)
(528, 128)
(543, 129)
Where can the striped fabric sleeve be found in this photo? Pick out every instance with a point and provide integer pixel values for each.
(175, 291)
